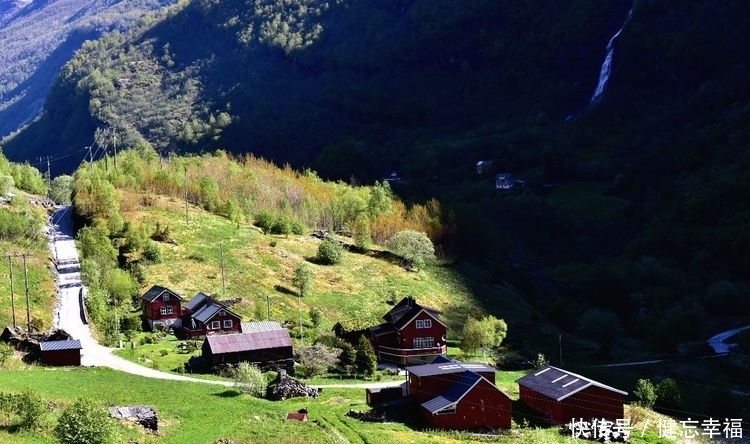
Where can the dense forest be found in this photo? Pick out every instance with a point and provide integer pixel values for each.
(633, 207)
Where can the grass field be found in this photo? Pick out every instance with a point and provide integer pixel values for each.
(202, 413)
(258, 269)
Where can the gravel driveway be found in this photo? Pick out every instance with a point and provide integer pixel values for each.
(69, 313)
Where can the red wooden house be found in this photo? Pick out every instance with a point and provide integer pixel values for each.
(427, 381)
(204, 315)
(471, 402)
(561, 396)
(411, 334)
(161, 308)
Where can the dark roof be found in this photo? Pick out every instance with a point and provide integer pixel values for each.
(210, 310)
(558, 384)
(382, 329)
(68, 344)
(406, 310)
(448, 368)
(442, 359)
(196, 301)
(239, 342)
(156, 291)
(456, 392)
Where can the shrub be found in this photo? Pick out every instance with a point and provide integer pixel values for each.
(330, 251)
(6, 351)
(152, 253)
(645, 393)
(668, 395)
(85, 422)
(317, 359)
(30, 408)
(414, 247)
(249, 379)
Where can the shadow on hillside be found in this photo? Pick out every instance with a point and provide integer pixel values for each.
(228, 394)
(285, 290)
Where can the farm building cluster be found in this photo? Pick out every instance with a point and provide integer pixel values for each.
(463, 396)
(227, 340)
(443, 393)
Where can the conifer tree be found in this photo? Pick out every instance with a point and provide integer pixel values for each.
(366, 361)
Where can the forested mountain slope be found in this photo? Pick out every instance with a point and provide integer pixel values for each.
(39, 36)
(635, 206)
(377, 76)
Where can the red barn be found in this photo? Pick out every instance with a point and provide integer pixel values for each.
(161, 307)
(471, 402)
(561, 396)
(412, 334)
(266, 344)
(67, 352)
(430, 380)
(204, 315)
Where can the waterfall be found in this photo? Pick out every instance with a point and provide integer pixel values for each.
(607, 64)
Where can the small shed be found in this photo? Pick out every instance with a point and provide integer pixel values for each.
(297, 416)
(561, 395)
(67, 352)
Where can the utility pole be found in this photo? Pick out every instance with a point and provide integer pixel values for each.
(12, 297)
(268, 308)
(186, 198)
(223, 281)
(49, 175)
(114, 146)
(26, 282)
(91, 156)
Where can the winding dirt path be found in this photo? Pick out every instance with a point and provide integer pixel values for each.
(69, 313)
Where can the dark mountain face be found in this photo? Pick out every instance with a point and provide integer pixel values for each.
(39, 37)
(360, 88)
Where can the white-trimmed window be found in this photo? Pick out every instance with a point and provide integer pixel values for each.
(424, 323)
(424, 342)
(227, 323)
(165, 297)
(215, 325)
(222, 313)
(166, 310)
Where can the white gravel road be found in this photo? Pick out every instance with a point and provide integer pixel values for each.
(69, 311)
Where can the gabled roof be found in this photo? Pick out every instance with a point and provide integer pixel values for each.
(255, 327)
(210, 310)
(559, 384)
(239, 342)
(197, 300)
(156, 291)
(406, 310)
(465, 384)
(68, 344)
(382, 329)
(442, 359)
(447, 368)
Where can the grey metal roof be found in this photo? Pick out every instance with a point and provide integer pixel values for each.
(239, 342)
(382, 329)
(68, 344)
(255, 327)
(156, 291)
(209, 311)
(196, 301)
(559, 384)
(445, 368)
(434, 405)
(458, 390)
